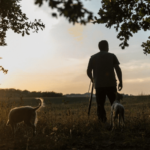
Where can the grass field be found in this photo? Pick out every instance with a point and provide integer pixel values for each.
(63, 124)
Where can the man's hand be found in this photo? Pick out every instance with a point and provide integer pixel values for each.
(120, 86)
(119, 74)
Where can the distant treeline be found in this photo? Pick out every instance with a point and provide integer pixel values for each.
(25, 93)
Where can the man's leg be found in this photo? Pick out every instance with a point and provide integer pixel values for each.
(100, 99)
(111, 93)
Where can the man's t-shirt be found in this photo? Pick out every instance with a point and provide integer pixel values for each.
(102, 65)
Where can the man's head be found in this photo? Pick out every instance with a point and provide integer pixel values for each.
(103, 45)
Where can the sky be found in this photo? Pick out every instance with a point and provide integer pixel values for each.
(56, 58)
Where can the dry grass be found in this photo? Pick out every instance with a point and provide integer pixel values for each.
(64, 124)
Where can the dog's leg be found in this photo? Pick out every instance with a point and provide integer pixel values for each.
(123, 119)
(113, 123)
(34, 122)
(119, 119)
(14, 128)
(111, 120)
(32, 126)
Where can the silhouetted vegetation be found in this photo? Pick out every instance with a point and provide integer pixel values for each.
(9, 93)
(126, 16)
(12, 17)
(73, 10)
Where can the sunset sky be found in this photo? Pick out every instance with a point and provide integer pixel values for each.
(56, 58)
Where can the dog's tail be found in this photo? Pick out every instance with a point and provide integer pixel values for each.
(41, 103)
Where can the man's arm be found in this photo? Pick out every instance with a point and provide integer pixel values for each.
(89, 70)
(119, 75)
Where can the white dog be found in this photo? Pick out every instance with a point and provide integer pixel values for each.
(117, 111)
(24, 113)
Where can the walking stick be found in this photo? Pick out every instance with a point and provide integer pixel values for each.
(90, 100)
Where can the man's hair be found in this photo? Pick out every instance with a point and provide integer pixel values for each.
(102, 45)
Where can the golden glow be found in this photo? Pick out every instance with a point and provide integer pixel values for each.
(77, 32)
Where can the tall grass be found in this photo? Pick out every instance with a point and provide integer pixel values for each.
(64, 124)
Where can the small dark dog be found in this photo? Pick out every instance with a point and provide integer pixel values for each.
(24, 113)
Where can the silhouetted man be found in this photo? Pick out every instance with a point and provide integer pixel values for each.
(103, 64)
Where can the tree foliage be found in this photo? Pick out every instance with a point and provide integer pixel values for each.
(73, 10)
(4, 70)
(12, 17)
(127, 17)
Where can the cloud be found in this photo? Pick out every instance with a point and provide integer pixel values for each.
(77, 32)
(137, 80)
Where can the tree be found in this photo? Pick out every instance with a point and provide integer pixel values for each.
(127, 17)
(73, 10)
(11, 17)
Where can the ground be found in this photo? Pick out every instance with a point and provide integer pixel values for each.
(63, 124)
